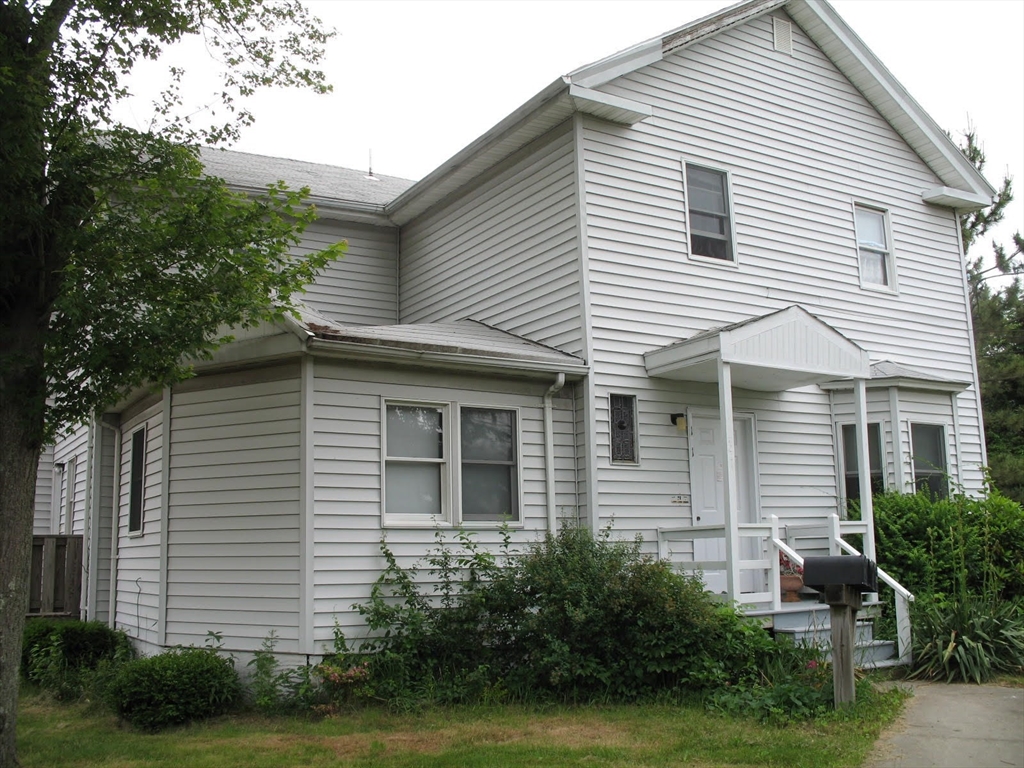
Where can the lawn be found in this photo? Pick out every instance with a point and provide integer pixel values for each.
(51, 734)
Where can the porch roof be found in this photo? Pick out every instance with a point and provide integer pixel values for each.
(775, 352)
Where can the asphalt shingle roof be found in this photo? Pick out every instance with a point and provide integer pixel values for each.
(249, 171)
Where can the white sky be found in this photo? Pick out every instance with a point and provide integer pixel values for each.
(417, 81)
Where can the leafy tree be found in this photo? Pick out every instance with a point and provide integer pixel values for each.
(119, 259)
(998, 318)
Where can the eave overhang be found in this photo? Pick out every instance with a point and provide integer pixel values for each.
(885, 374)
(772, 353)
(552, 106)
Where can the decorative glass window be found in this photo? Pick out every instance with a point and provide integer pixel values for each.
(490, 466)
(875, 253)
(930, 469)
(137, 481)
(414, 467)
(851, 466)
(707, 208)
(623, 428)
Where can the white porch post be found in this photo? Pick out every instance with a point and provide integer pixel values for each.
(731, 488)
(867, 510)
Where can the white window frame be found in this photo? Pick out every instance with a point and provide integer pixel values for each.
(517, 489)
(71, 477)
(445, 462)
(841, 453)
(144, 430)
(887, 251)
(636, 431)
(947, 471)
(733, 260)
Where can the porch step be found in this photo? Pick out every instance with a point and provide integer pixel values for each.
(810, 623)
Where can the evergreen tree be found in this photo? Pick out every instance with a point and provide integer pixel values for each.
(998, 318)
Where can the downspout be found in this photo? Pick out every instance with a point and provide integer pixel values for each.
(86, 605)
(115, 522)
(549, 452)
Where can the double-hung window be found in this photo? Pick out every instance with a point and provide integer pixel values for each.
(490, 465)
(851, 465)
(425, 458)
(708, 216)
(929, 449)
(873, 248)
(415, 467)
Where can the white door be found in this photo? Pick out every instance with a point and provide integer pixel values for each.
(707, 491)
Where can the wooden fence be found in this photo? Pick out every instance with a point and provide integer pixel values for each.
(55, 588)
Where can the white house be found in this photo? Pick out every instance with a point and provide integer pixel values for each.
(666, 295)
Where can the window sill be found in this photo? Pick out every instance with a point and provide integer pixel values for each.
(883, 289)
(711, 260)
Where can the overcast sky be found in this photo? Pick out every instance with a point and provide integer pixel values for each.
(417, 81)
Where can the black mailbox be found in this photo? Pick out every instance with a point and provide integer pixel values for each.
(848, 570)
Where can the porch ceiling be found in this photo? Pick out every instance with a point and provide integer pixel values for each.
(775, 352)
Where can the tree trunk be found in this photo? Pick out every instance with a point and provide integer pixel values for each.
(22, 409)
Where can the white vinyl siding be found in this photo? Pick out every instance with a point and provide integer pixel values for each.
(505, 253)
(361, 287)
(800, 143)
(71, 451)
(138, 555)
(233, 536)
(347, 455)
(43, 509)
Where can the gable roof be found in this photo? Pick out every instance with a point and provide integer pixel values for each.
(962, 186)
(774, 352)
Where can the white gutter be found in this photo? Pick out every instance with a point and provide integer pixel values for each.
(549, 452)
(450, 360)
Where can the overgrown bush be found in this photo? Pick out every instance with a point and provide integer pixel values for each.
(928, 545)
(178, 686)
(68, 657)
(964, 560)
(273, 690)
(575, 617)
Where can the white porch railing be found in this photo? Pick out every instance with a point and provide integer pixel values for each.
(834, 529)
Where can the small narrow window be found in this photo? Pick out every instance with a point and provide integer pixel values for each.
(71, 476)
(623, 429)
(707, 208)
(875, 253)
(930, 469)
(490, 466)
(137, 483)
(414, 467)
(851, 467)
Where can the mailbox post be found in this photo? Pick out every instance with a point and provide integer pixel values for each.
(842, 580)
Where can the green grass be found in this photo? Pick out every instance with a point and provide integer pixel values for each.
(52, 734)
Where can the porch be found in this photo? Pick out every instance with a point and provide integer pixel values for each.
(738, 552)
(760, 593)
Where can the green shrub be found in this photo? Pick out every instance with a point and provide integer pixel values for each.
(929, 545)
(178, 686)
(64, 657)
(574, 618)
(967, 638)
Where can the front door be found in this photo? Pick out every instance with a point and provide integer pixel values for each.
(707, 490)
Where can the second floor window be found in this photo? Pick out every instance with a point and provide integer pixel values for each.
(873, 248)
(707, 209)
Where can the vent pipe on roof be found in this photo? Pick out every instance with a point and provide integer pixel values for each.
(369, 174)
